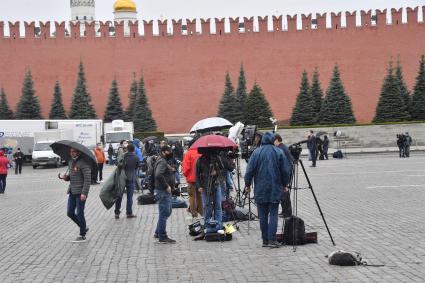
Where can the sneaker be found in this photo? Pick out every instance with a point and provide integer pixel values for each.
(117, 216)
(155, 236)
(131, 216)
(265, 244)
(274, 245)
(80, 239)
(167, 241)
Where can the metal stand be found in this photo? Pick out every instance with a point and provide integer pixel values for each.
(295, 188)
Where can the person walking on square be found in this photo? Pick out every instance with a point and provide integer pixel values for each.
(164, 182)
(110, 155)
(18, 157)
(130, 165)
(100, 157)
(4, 165)
(78, 190)
(269, 168)
(312, 146)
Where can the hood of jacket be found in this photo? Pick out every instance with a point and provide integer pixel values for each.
(268, 138)
(1, 153)
(136, 143)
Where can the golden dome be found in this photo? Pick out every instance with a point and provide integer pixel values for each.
(124, 5)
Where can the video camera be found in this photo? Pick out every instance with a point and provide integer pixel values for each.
(296, 149)
(248, 142)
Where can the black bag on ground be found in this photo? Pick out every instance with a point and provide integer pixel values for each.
(195, 228)
(344, 258)
(217, 237)
(146, 199)
(294, 231)
(337, 154)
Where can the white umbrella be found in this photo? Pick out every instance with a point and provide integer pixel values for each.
(211, 124)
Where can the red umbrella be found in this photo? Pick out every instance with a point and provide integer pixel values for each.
(213, 141)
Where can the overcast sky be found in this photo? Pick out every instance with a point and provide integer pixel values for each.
(25, 10)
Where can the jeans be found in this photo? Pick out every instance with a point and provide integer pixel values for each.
(3, 182)
(129, 185)
(100, 167)
(165, 208)
(267, 213)
(75, 203)
(111, 160)
(212, 202)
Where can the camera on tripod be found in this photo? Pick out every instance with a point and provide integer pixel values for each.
(296, 149)
(250, 141)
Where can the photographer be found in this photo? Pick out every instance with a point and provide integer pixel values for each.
(210, 183)
(270, 170)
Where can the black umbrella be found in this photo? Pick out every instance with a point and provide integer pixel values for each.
(62, 149)
(148, 139)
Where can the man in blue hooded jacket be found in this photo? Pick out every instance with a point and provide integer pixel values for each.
(270, 170)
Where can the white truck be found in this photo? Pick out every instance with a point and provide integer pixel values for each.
(20, 133)
(42, 154)
(117, 131)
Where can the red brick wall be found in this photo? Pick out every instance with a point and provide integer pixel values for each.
(185, 74)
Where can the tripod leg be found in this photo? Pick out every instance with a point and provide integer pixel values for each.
(317, 202)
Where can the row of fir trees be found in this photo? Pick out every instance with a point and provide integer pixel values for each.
(28, 107)
(240, 106)
(311, 108)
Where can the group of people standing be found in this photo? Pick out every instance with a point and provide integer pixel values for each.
(404, 141)
(317, 148)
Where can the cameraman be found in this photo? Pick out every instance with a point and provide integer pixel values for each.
(270, 169)
(210, 183)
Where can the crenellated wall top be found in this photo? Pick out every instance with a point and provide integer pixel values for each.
(211, 26)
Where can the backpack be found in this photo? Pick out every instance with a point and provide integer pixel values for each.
(150, 172)
(337, 154)
(344, 258)
(294, 231)
(146, 199)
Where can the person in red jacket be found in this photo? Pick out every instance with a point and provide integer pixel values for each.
(4, 165)
(189, 171)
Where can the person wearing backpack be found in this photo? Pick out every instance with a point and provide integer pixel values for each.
(164, 182)
(130, 164)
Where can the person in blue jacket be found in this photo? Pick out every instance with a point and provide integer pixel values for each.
(269, 168)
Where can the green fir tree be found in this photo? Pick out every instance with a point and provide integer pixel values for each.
(5, 112)
(336, 107)
(241, 96)
(258, 111)
(302, 114)
(391, 107)
(81, 107)
(28, 105)
(57, 111)
(402, 87)
(114, 109)
(227, 105)
(418, 96)
(317, 95)
(132, 96)
(143, 120)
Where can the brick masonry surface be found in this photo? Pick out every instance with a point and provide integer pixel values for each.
(373, 205)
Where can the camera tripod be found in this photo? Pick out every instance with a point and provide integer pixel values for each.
(242, 197)
(293, 187)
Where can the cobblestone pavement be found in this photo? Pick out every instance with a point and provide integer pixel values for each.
(373, 204)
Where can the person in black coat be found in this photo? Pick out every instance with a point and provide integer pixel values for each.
(18, 157)
(325, 147)
(312, 145)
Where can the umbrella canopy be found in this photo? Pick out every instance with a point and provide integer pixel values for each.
(213, 141)
(63, 147)
(211, 124)
(148, 139)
